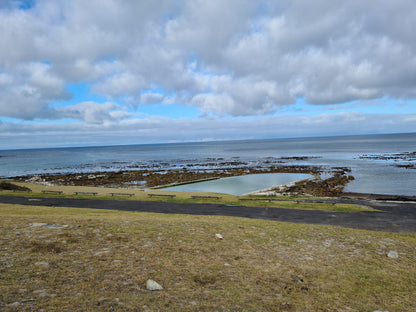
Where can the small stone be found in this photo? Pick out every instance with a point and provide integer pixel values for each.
(56, 226)
(100, 253)
(48, 225)
(219, 236)
(14, 304)
(392, 254)
(37, 224)
(38, 291)
(152, 285)
(42, 293)
(42, 264)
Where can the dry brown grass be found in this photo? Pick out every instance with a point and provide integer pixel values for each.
(101, 262)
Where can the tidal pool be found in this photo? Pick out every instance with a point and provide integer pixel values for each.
(241, 185)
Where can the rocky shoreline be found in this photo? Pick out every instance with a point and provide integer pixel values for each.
(331, 187)
(138, 179)
(407, 160)
(153, 178)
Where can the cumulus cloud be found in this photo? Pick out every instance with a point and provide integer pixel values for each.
(227, 58)
(151, 98)
(27, 91)
(93, 113)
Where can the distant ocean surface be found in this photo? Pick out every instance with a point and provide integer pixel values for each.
(383, 164)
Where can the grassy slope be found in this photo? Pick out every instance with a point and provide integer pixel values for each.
(102, 260)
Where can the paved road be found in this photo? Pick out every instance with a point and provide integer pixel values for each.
(395, 216)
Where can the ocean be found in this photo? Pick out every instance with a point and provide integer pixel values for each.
(383, 164)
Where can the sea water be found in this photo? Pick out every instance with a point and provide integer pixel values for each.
(373, 174)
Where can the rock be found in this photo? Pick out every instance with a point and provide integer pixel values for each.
(42, 293)
(14, 304)
(152, 285)
(42, 264)
(48, 225)
(12, 187)
(100, 253)
(392, 254)
(56, 226)
(37, 224)
(219, 236)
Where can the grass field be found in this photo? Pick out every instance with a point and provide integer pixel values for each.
(68, 259)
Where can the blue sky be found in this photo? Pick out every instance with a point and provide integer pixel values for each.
(75, 73)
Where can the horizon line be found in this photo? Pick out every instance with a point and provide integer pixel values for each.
(207, 141)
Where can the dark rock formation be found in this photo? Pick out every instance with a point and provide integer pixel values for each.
(330, 187)
(12, 187)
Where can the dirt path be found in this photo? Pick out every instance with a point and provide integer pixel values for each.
(395, 216)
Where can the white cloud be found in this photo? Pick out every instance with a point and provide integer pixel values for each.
(119, 84)
(26, 93)
(236, 57)
(151, 98)
(93, 113)
(220, 103)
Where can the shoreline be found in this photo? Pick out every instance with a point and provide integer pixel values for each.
(314, 187)
(103, 190)
(155, 179)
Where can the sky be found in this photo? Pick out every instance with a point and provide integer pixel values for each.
(108, 72)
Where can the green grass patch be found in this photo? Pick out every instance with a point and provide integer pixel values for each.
(100, 261)
(291, 204)
(226, 199)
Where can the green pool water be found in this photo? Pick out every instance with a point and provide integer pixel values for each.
(242, 184)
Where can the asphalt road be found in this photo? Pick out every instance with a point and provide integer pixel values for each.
(394, 216)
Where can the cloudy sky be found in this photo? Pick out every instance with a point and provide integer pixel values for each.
(100, 72)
